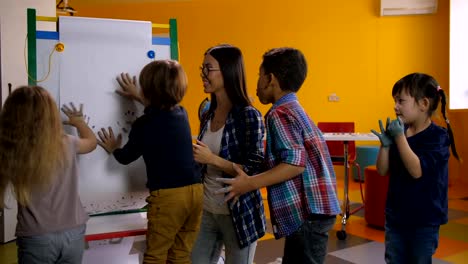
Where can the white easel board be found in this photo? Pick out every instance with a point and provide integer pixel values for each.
(96, 51)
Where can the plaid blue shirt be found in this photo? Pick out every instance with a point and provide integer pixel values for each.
(293, 138)
(242, 143)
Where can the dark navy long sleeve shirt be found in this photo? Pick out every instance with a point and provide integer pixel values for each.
(164, 139)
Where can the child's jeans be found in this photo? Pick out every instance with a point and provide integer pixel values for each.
(414, 245)
(174, 217)
(59, 247)
(308, 245)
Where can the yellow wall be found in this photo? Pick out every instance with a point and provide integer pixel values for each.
(351, 50)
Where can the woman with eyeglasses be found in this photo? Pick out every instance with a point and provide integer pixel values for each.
(231, 134)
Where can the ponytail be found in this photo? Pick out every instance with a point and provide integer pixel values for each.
(449, 128)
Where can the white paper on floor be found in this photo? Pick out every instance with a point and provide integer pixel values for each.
(113, 251)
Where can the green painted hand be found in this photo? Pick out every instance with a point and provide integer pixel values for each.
(384, 137)
(395, 128)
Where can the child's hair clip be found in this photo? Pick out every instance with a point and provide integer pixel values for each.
(439, 88)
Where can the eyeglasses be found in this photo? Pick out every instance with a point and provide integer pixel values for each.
(206, 70)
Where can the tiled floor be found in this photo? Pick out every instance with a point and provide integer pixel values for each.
(363, 244)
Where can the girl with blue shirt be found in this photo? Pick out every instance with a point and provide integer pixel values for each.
(415, 152)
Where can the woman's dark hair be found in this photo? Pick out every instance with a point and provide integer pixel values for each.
(231, 64)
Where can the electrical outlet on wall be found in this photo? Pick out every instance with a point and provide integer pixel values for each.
(333, 97)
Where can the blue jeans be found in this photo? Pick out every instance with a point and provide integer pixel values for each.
(308, 245)
(217, 230)
(414, 245)
(59, 247)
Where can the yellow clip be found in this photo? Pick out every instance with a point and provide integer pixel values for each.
(59, 47)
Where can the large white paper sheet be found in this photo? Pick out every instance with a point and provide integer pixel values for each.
(96, 51)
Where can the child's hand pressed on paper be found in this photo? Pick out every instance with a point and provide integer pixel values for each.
(384, 137)
(395, 128)
(235, 186)
(75, 116)
(128, 87)
(202, 153)
(108, 141)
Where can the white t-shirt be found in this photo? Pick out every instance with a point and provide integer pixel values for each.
(213, 203)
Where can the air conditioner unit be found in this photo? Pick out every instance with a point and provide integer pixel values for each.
(407, 7)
